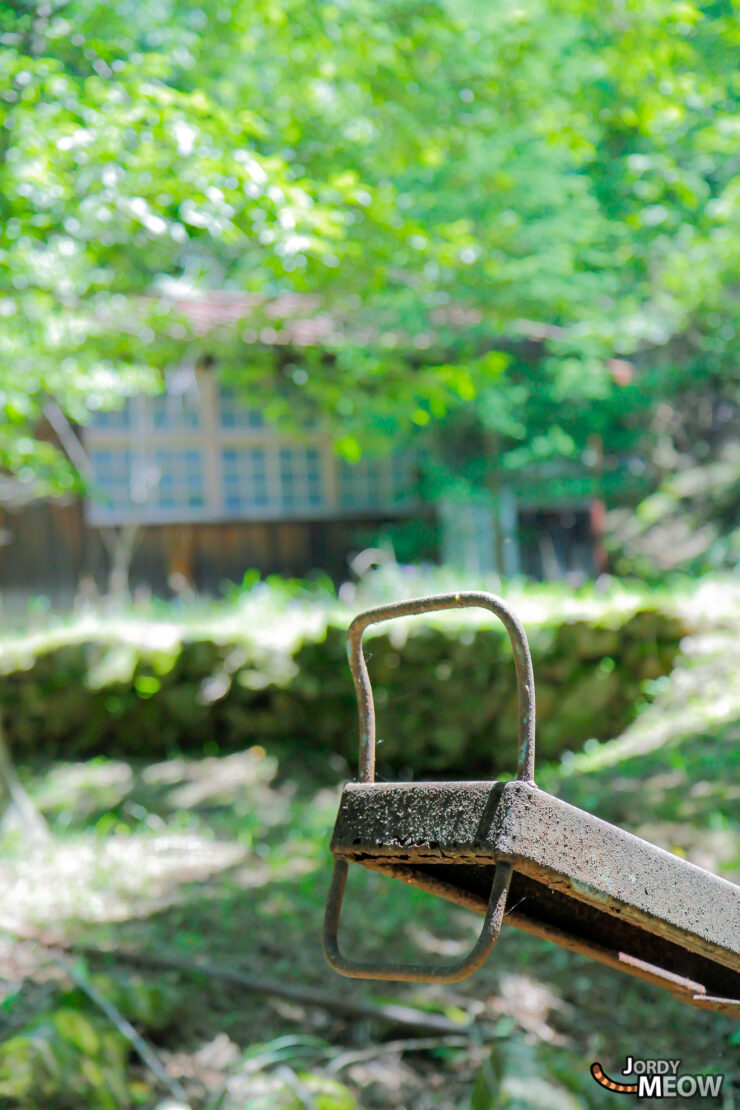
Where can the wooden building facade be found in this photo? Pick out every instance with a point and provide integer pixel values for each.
(192, 488)
(200, 489)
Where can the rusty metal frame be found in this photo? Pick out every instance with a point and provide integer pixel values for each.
(415, 973)
(514, 852)
(418, 973)
(464, 600)
(578, 881)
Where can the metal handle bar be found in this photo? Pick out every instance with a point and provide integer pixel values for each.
(463, 600)
(434, 973)
(414, 973)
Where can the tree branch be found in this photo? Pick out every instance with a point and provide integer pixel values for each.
(126, 1029)
(405, 1017)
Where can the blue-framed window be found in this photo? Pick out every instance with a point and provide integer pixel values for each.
(113, 479)
(376, 483)
(301, 478)
(179, 482)
(174, 412)
(112, 419)
(245, 477)
(205, 454)
(235, 413)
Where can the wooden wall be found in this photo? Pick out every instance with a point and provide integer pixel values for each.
(48, 548)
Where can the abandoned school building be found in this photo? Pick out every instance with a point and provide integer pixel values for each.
(202, 489)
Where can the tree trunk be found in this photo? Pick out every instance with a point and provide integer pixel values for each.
(121, 543)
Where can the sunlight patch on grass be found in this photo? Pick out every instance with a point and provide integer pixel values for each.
(107, 879)
(216, 781)
(82, 788)
(702, 695)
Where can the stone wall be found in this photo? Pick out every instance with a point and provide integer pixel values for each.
(446, 699)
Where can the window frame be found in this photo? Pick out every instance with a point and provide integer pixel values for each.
(144, 439)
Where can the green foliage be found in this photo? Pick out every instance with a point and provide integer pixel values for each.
(71, 1055)
(522, 1076)
(491, 202)
(689, 523)
(68, 1054)
(274, 1075)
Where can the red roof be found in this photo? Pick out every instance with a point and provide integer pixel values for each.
(287, 318)
(297, 319)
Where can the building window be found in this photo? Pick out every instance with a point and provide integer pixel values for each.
(403, 477)
(373, 483)
(300, 478)
(246, 480)
(359, 484)
(202, 454)
(113, 473)
(113, 419)
(175, 412)
(234, 413)
(179, 480)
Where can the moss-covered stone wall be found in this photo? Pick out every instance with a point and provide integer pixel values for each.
(446, 697)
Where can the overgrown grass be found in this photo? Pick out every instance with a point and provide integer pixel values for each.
(226, 858)
(286, 608)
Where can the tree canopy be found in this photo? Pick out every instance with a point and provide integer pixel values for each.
(521, 220)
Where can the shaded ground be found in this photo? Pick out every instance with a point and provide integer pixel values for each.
(226, 859)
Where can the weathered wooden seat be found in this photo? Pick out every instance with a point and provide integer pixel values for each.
(510, 850)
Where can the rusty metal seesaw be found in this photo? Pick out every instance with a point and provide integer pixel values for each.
(509, 849)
